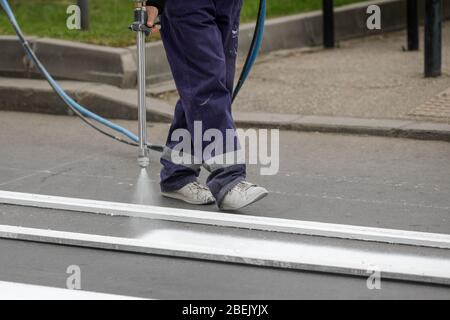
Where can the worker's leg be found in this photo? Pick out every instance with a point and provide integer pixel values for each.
(174, 177)
(194, 44)
(227, 19)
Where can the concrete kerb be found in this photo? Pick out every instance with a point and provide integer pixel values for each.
(13, 60)
(83, 62)
(69, 60)
(29, 95)
(115, 103)
(409, 129)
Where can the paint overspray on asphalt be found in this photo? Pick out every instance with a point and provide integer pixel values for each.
(145, 192)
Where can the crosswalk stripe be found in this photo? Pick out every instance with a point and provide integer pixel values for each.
(403, 237)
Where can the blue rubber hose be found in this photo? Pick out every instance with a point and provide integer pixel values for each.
(254, 48)
(83, 112)
(56, 87)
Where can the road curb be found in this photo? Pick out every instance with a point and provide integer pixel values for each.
(29, 95)
(69, 60)
(111, 102)
(409, 129)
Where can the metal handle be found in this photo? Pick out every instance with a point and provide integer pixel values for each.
(142, 30)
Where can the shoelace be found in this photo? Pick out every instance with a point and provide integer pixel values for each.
(196, 188)
(244, 186)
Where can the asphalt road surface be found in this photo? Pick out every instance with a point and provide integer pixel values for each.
(358, 180)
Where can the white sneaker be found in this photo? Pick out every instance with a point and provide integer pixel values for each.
(242, 195)
(192, 193)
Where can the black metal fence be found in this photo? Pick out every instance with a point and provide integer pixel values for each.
(328, 24)
(433, 38)
(433, 31)
(412, 11)
(84, 7)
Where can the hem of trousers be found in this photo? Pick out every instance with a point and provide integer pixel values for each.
(184, 181)
(227, 188)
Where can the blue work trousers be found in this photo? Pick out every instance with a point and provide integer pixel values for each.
(201, 42)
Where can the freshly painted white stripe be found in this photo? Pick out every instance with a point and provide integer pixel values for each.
(258, 252)
(19, 291)
(341, 231)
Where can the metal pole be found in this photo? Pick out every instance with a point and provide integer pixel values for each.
(433, 38)
(141, 17)
(328, 24)
(84, 7)
(413, 25)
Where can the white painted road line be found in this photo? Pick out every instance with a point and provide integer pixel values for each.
(19, 291)
(403, 237)
(258, 252)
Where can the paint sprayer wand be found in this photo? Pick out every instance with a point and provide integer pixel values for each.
(142, 30)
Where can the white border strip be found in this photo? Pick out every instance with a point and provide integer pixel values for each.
(348, 262)
(434, 240)
(22, 291)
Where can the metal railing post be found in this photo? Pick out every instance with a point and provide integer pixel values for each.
(328, 24)
(433, 38)
(413, 25)
(84, 7)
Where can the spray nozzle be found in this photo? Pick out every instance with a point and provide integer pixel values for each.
(143, 158)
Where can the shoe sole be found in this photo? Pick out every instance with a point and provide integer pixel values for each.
(181, 198)
(250, 202)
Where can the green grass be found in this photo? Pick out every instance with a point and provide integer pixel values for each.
(276, 8)
(110, 18)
